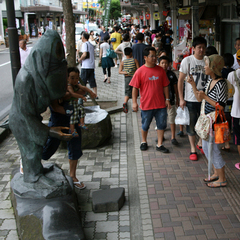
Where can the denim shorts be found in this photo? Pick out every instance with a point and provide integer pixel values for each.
(194, 112)
(160, 115)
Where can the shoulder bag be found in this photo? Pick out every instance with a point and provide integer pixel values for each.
(202, 126)
(110, 53)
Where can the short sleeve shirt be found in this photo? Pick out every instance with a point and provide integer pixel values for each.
(235, 112)
(198, 73)
(118, 37)
(88, 63)
(150, 82)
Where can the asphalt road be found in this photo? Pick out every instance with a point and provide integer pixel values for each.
(6, 85)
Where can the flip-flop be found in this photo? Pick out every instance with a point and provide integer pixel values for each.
(237, 166)
(211, 185)
(79, 183)
(211, 179)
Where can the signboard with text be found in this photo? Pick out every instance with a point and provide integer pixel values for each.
(91, 5)
(107, 13)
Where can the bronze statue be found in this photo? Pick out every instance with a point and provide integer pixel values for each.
(42, 79)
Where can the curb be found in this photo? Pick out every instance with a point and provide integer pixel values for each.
(4, 133)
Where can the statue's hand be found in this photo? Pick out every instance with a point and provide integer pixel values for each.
(56, 132)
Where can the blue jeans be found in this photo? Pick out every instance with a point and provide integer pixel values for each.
(194, 112)
(160, 115)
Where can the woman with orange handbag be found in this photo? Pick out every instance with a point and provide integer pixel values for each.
(216, 93)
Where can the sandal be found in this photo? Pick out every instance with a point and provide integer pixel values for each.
(213, 179)
(79, 185)
(225, 149)
(213, 184)
(83, 126)
(200, 149)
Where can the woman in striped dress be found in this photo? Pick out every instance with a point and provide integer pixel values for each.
(217, 93)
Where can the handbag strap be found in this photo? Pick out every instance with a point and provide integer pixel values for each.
(204, 101)
(221, 113)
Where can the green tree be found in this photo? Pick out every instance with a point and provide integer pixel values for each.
(115, 9)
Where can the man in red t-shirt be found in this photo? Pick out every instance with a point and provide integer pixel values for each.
(153, 83)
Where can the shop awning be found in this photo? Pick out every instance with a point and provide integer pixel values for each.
(18, 14)
(38, 9)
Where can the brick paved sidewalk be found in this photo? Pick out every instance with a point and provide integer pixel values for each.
(182, 206)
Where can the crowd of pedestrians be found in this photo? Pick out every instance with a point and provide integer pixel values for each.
(144, 57)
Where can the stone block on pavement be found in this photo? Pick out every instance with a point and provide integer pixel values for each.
(109, 200)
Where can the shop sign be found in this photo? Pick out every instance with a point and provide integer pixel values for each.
(156, 16)
(147, 16)
(184, 11)
(91, 5)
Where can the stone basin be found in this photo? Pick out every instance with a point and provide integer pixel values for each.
(99, 127)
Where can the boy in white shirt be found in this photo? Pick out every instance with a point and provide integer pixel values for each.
(193, 65)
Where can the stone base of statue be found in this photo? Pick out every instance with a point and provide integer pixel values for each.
(99, 126)
(44, 212)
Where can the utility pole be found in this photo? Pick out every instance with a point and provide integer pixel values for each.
(13, 40)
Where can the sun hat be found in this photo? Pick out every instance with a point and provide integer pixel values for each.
(238, 55)
(216, 63)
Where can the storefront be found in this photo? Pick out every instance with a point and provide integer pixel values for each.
(230, 27)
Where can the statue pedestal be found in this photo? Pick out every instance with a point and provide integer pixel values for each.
(50, 216)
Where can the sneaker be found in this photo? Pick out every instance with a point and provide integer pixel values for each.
(143, 146)
(180, 133)
(193, 156)
(162, 149)
(125, 107)
(116, 66)
(174, 141)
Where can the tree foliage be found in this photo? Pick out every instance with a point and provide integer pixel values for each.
(115, 8)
